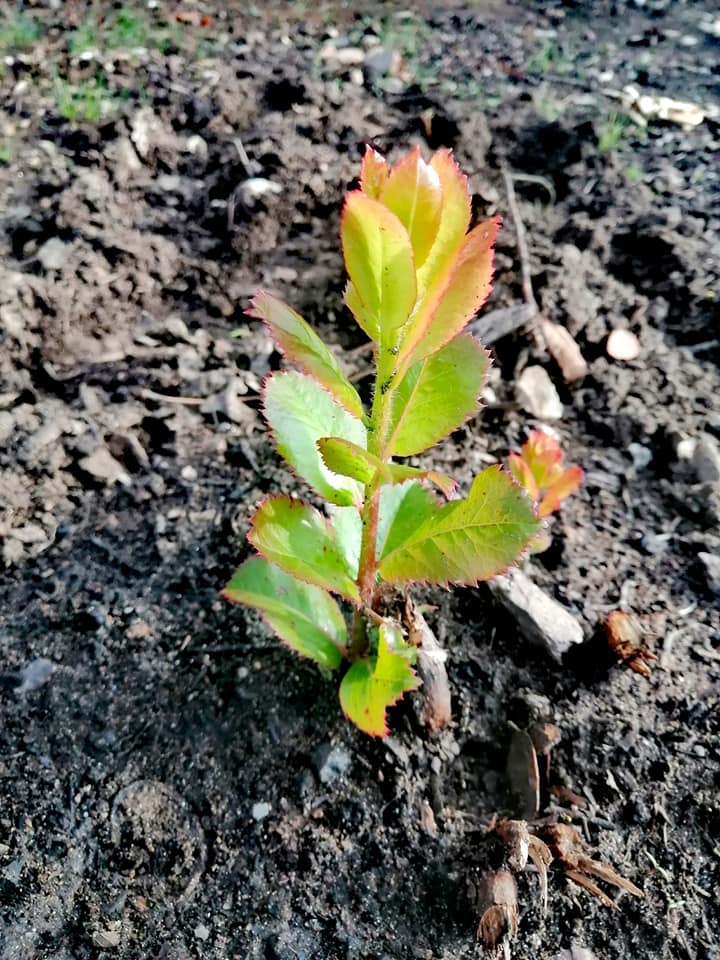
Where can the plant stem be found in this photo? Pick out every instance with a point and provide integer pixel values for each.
(367, 570)
(368, 562)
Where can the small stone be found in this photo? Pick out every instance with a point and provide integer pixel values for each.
(256, 187)
(706, 459)
(656, 543)
(576, 952)
(53, 254)
(196, 145)
(35, 674)
(260, 810)
(427, 819)
(623, 345)
(641, 456)
(201, 932)
(7, 425)
(138, 630)
(331, 763)
(29, 534)
(380, 62)
(539, 617)
(685, 448)
(711, 565)
(537, 394)
(102, 465)
(109, 938)
(189, 474)
(343, 57)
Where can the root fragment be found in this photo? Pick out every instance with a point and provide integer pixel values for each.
(497, 898)
(568, 847)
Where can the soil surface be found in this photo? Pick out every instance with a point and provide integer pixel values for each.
(175, 784)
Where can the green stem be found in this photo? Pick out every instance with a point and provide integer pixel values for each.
(367, 571)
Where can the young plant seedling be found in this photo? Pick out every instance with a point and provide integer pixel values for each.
(416, 278)
(539, 470)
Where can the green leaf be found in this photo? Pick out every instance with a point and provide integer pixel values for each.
(379, 260)
(300, 343)
(299, 540)
(352, 461)
(305, 617)
(300, 412)
(371, 686)
(414, 193)
(436, 396)
(347, 459)
(402, 510)
(399, 473)
(467, 540)
(347, 524)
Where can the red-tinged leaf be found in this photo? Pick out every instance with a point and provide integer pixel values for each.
(524, 475)
(436, 396)
(300, 412)
(299, 540)
(374, 172)
(539, 469)
(467, 540)
(568, 483)
(402, 510)
(543, 455)
(305, 617)
(468, 288)
(434, 276)
(371, 686)
(454, 221)
(348, 459)
(414, 193)
(299, 342)
(379, 260)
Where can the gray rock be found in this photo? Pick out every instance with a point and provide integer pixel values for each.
(331, 763)
(540, 619)
(53, 254)
(536, 393)
(706, 459)
(711, 565)
(641, 456)
(379, 62)
(576, 952)
(35, 674)
(260, 810)
(102, 465)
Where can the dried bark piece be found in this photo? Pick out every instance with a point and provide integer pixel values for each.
(497, 899)
(564, 350)
(523, 772)
(568, 847)
(430, 664)
(523, 845)
(625, 638)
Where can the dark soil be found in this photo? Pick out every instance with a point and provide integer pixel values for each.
(162, 788)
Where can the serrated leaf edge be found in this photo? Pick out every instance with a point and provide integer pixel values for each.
(331, 534)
